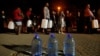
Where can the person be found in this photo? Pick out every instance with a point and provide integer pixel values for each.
(46, 12)
(98, 15)
(68, 21)
(28, 15)
(88, 18)
(18, 16)
(58, 21)
(78, 21)
(3, 22)
(61, 22)
(35, 23)
(54, 19)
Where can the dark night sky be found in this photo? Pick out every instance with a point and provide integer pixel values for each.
(37, 5)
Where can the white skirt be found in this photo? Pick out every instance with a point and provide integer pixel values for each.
(63, 22)
(18, 23)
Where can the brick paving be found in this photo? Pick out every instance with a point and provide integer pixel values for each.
(86, 44)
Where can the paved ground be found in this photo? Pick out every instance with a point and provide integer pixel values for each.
(86, 44)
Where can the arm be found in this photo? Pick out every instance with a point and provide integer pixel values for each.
(91, 14)
(44, 12)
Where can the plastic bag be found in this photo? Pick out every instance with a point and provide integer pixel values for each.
(95, 23)
(44, 23)
(29, 23)
(11, 25)
(50, 24)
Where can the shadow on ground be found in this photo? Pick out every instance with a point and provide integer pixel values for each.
(26, 49)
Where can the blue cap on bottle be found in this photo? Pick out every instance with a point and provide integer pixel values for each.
(52, 35)
(69, 35)
(36, 36)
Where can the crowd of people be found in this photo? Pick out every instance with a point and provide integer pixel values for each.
(61, 22)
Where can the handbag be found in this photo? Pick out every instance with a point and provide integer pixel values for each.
(11, 25)
(95, 23)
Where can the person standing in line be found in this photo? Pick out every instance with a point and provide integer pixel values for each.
(68, 21)
(46, 13)
(3, 22)
(27, 17)
(58, 21)
(78, 22)
(98, 14)
(54, 19)
(18, 17)
(88, 18)
(62, 22)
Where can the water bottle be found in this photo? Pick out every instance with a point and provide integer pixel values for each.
(69, 46)
(52, 45)
(36, 46)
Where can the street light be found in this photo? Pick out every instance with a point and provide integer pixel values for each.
(58, 8)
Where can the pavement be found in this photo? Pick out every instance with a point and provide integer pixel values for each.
(86, 44)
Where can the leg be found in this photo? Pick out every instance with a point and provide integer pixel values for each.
(19, 30)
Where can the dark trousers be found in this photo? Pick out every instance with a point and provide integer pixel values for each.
(80, 24)
(29, 29)
(88, 23)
